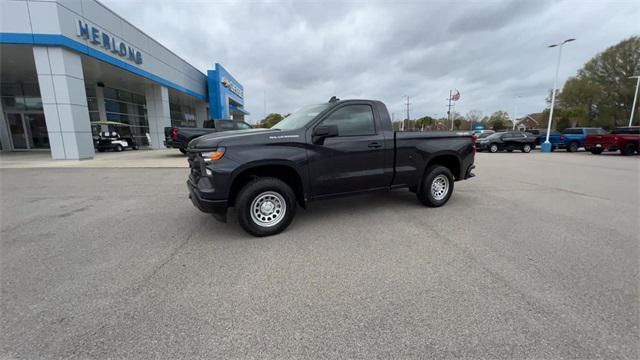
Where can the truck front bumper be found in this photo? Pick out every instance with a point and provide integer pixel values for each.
(216, 207)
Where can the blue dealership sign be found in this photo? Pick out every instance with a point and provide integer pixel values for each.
(225, 94)
(108, 42)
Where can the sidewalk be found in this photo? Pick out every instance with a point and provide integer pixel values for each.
(166, 158)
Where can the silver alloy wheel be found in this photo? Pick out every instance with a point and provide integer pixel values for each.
(268, 209)
(527, 148)
(440, 187)
(494, 148)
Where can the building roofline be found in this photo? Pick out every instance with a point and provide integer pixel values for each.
(137, 28)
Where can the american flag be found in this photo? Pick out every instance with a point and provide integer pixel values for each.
(455, 96)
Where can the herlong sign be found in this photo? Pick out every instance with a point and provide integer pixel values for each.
(101, 38)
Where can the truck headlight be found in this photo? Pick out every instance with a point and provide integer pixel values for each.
(210, 156)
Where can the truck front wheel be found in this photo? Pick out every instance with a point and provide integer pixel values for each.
(437, 186)
(266, 206)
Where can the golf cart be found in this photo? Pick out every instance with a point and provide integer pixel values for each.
(118, 137)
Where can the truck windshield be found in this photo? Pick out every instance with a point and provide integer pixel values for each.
(300, 117)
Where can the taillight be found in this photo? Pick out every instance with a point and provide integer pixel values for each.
(174, 134)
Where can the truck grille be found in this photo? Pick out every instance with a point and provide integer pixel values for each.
(196, 165)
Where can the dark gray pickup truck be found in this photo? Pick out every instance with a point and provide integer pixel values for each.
(325, 150)
(179, 137)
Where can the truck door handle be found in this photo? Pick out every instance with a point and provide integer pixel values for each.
(374, 145)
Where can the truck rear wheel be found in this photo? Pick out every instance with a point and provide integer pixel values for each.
(573, 146)
(628, 149)
(266, 206)
(596, 151)
(437, 186)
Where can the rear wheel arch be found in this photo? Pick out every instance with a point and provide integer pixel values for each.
(448, 160)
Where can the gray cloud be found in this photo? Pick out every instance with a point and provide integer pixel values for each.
(299, 52)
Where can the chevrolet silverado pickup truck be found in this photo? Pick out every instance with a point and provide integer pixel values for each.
(179, 137)
(321, 151)
(625, 139)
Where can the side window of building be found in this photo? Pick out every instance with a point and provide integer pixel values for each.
(353, 120)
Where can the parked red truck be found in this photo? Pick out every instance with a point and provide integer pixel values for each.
(624, 139)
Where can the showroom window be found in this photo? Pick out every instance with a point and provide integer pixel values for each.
(182, 115)
(20, 97)
(127, 108)
(92, 103)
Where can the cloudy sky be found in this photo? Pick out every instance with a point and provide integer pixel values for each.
(300, 52)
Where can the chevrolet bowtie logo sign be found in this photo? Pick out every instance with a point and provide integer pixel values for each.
(232, 87)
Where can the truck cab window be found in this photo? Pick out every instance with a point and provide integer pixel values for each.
(352, 120)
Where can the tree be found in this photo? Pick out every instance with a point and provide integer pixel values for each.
(601, 93)
(498, 120)
(270, 120)
(474, 116)
(456, 123)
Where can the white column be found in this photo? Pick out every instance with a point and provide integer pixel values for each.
(4, 131)
(158, 113)
(201, 113)
(64, 100)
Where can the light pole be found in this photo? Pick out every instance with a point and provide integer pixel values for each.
(546, 146)
(635, 97)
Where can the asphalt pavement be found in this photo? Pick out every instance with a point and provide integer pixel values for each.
(535, 258)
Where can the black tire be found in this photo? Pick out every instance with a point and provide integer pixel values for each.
(100, 150)
(628, 149)
(533, 146)
(573, 146)
(425, 193)
(493, 148)
(526, 148)
(134, 146)
(596, 151)
(119, 148)
(183, 151)
(265, 188)
(509, 150)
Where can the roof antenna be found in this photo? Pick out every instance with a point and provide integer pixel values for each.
(333, 99)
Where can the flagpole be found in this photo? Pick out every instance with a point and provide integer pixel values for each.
(453, 115)
(449, 111)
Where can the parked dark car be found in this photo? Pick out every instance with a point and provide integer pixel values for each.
(507, 141)
(179, 137)
(574, 138)
(321, 151)
(624, 139)
(483, 135)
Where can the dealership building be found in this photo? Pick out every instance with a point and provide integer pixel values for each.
(70, 69)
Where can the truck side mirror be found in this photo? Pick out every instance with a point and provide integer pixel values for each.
(324, 131)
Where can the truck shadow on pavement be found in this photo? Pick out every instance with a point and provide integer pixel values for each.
(371, 207)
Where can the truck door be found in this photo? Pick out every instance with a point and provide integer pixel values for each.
(351, 161)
